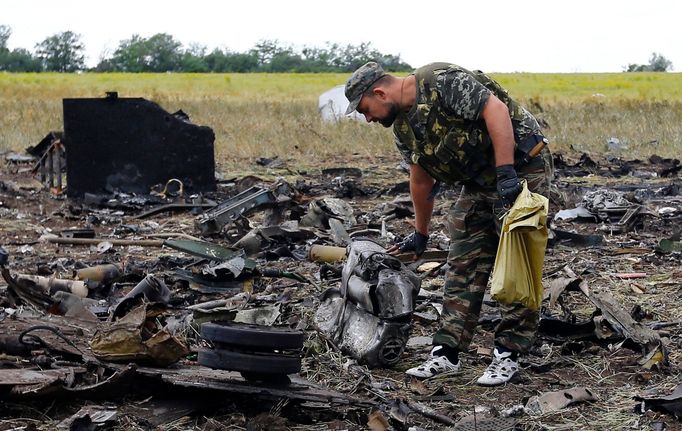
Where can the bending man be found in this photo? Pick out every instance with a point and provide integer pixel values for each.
(460, 127)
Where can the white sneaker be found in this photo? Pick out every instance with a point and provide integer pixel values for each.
(433, 366)
(500, 370)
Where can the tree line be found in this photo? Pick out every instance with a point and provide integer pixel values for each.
(657, 63)
(65, 52)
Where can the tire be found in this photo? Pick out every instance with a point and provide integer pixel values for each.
(260, 337)
(254, 363)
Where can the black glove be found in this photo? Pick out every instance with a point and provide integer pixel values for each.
(508, 184)
(415, 242)
(4, 257)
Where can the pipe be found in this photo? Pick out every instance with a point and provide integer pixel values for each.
(52, 285)
(95, 241)
(100, 273)
(326, 253)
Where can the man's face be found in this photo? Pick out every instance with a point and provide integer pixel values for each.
(376, 108)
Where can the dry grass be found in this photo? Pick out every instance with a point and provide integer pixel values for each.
(265, 115)
(642, 127)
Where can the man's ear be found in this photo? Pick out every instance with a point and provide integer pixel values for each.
(379, 92)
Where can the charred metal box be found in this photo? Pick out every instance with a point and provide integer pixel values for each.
(131, 144)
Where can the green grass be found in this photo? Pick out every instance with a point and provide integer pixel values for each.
(578, 87)
(272, 115)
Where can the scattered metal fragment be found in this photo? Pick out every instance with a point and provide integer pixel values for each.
(625, 218)
(52, 162)
(261, 238)
(41, 147)
(13, 157)
(175, 207)
(18, 383)
(208, 284)
(230, 382)
(152, 288)
(647, 340)
(89, 418)
(666, 211)
(428, 412)
(207, 250)
(339, 234)
(558, 400)
(173, 188)
(575, 213)
(369, 317)
(320, 211)
(70, 305)
(575, 239)
(215, 219)
(603, 199)
(263, 316)
(610, 321)
(671, 404)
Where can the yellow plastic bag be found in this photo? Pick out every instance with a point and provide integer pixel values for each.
(517, 276)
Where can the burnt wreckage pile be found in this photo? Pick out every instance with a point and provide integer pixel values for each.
(131, 274)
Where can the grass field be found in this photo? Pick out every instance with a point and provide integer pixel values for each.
(268, 115)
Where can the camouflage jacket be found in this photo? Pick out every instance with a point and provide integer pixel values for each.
(444, 132)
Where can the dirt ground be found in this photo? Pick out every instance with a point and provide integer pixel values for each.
(644, 280)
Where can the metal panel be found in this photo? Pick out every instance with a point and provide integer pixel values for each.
(131, 144)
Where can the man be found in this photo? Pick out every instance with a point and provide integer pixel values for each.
(460, 127)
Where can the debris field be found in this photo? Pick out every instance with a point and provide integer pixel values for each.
(202, 306)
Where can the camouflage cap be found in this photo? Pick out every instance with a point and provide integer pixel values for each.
(360, 81)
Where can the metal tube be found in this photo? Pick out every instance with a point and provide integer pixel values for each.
(58, 168)
(327, 253)
(95, 241)
(50, 169)
(99, 273)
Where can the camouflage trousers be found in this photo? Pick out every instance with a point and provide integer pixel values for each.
(474, 225)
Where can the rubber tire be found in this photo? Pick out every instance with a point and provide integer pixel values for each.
(261, 337)
(258, 363)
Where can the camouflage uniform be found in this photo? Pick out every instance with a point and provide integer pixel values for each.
(445, 135)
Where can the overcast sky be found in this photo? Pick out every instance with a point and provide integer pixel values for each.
(492, 35)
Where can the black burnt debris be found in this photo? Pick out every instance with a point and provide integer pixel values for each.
(269, 303)
(129, 145)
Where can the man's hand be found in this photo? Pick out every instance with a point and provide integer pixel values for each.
(508, 184)
(416, 242)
